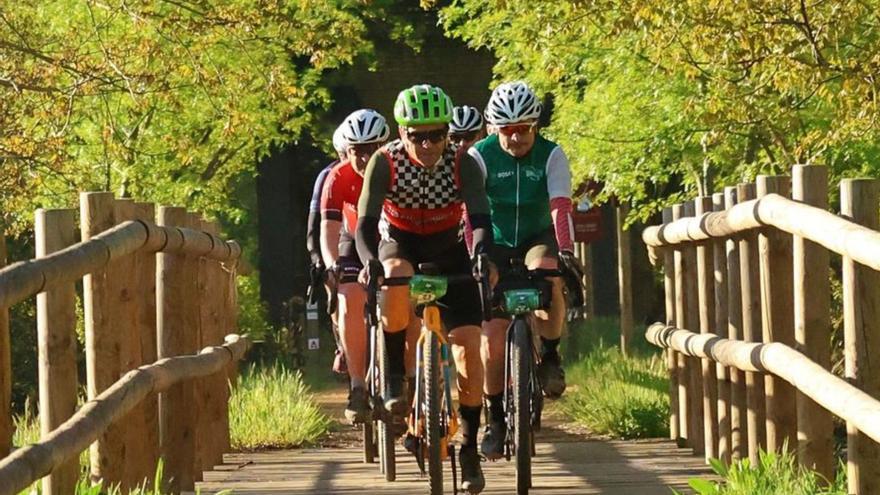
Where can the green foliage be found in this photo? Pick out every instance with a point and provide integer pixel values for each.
(274, 408)
(163, 101)
(774, 474)
(616, 396)
(658, 97)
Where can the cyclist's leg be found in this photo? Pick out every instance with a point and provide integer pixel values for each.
(352, 330)
(462, 314)
(549, 323)
(396, 313)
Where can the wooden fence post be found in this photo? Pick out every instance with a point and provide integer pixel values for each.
(723, 383)
(739, 432)
(812, 321)
(684, 395)
(706, 293)
(692, 322)
(624, 276)
(751, 326)
(103, 338)
(859, 200)
(193, 324)
(671, 357)
(146, 294)
(778, 319)
(173, 286)
(56, 336)
(124, 316)
(216, 391)
(5, 370)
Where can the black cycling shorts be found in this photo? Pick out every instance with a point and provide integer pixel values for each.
(542, 245)
(348, 263)
(461, 304)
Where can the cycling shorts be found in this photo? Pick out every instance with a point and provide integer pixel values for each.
(461, 304)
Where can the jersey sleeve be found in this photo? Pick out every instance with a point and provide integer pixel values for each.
(559, 190)
(473, 193)
(331, 199)
(377, 177)
(478, 158)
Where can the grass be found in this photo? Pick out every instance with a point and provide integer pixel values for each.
(273, 407)
(774, 474)
(613, 395)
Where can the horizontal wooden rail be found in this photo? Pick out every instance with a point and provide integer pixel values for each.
(840, 235)
(30, 463)
(21, 280)
(811, 379)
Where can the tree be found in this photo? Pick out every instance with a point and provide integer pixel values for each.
(653, 95)
(169, 101)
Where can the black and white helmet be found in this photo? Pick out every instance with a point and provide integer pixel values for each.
(339, 143)
(512, 102)
(365, 126)
(465, 118)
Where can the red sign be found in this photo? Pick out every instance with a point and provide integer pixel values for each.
(587, 225)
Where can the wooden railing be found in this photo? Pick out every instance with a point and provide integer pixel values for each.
(153, 294)
(748, 321)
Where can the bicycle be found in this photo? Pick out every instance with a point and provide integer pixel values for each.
(378, 434)
(521, 292)
(432, 421)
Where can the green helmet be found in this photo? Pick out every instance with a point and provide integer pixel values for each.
(422, 104)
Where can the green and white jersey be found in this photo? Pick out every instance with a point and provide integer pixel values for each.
(520, 189)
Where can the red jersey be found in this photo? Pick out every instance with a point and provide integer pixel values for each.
(339, 199)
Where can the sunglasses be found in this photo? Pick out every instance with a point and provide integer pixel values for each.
(434, 136)
(509, 130)
(458, 137)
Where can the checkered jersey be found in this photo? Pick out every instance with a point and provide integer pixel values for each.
(422, 200)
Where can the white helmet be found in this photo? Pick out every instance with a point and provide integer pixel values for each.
(511, 103)
(465, 118)
(365, 126)
(339, 143)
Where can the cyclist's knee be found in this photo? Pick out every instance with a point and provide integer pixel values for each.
(466, 338)
(494, 338)
(352, 293)
(544, 262)
(395, 306)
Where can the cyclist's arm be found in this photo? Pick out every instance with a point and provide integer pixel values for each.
(331, 220)
(468, 228)
(313, 229)
(559, 189)
(376, 179)
(473, 193)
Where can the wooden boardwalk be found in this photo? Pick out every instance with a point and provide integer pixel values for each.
(568, 462)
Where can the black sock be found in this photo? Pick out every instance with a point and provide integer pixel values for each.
(470, 425)
(395, 343)
(496, 407)
(550, 346)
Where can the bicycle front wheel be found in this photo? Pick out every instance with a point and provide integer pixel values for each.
(386, 430)
(433, 411)
(520, 356)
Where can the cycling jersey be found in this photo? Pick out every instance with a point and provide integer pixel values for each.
(340, 197)
(313, 227)
(414, 199)
(527, 195)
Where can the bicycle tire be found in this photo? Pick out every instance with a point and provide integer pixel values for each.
(369, 444)
(522, 402)
(386, 431)
(432, 412)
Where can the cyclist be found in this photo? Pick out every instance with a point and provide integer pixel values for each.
(417, 185)
(528, 181)
(364, 131)
(313, 243)
(466, 127)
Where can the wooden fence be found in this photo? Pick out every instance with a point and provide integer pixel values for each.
(748, 321)
(153, 294)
